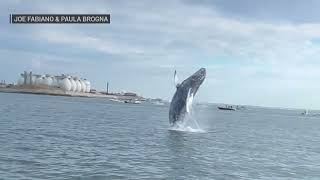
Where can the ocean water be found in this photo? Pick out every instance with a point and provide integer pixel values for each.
(52, 137)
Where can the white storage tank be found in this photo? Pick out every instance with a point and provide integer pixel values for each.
(78, 85)
(73, 85)
(47, 81)
(80, 90)
(55, 82)
(50, 81)
(83, 86)
(88, 86)
(65, 84)
(38, 80)
(42, 81)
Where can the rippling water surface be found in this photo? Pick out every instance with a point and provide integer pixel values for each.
(51, 137)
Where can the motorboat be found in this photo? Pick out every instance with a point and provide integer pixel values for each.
(132, 101)
(306, 112)
(226, 108)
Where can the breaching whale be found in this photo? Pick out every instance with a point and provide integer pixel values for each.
(188, 88)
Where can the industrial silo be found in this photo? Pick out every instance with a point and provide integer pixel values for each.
(65, 84)
(50, 80)
(88, 85)
(55, 82)
(73, 84)
(42, 80)
(83, 86)
(78, 85)
(47, 80)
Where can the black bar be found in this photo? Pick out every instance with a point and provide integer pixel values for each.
(60, 18)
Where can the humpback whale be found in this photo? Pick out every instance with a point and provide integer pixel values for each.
(187, 89)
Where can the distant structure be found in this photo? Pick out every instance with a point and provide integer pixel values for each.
(3, 83)
(65, 82)
(107, 87)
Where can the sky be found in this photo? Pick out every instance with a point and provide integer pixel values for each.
(256, 52)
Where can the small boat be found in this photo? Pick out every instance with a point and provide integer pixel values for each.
(226, 108)
(132, 101)
(306, 112)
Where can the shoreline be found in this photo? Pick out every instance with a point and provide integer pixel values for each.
(60, 92)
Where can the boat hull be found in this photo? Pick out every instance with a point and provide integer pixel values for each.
(226, 109)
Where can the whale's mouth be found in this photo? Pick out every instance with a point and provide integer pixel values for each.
(199, 76)
(202, 74)
(196, 80)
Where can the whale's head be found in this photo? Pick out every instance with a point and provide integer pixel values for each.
(187, 88)
(194, 81)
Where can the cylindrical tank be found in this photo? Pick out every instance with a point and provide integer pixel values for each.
(83, 86)
(42, 80)
(65, 84)
(73, 84)
(78, 85)
(50, 81)
(47, 81)
(38, 81)
(54, 82)
(88, 86)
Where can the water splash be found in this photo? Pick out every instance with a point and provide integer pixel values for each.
(186, 129)
(189, 124)
(189, 102)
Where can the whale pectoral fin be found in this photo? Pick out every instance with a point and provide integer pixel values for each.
(175, 78)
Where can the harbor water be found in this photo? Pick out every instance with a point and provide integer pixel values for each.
(53, 137)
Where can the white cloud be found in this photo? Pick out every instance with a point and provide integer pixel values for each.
(155, 32)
